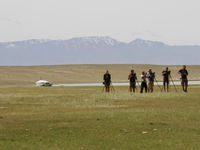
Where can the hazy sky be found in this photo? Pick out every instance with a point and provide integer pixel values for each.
(170, 21)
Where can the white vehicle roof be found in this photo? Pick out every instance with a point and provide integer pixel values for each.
(41, 82)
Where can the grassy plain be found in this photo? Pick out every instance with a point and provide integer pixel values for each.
(85, 118)
(28, 75)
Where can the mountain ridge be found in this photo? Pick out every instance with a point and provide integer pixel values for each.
(96, 50)
(93, 37)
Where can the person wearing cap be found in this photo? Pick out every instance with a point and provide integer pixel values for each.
(132, 78)
(107, 81)
(184, 81)
(166, 74)
(144, 82)
(151, 76)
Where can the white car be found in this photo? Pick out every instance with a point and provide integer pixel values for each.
(43, 83)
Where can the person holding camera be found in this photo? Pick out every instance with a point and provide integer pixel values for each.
(184, 81)
(132, 78)
(166, 74)
(151, 76)
(107, 81)
(143, 83)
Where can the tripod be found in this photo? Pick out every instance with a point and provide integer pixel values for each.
(158, 85)
(173, 83)
(138, 83)
(112, 87)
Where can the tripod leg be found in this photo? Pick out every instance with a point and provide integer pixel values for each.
(158, 85)
(103, 88)
(173, 83)
(112, 87)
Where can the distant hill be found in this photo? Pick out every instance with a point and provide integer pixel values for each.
(95, 50)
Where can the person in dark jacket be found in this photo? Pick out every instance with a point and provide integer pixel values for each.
(184, 81)
(166, 74)
(107, 81)
(132, 78)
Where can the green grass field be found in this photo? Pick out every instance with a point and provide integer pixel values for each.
(85, 118)
(57, 74)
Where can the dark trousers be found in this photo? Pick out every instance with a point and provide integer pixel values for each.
(107, 86)
(143, 85)
(184, 84)
(132, 86)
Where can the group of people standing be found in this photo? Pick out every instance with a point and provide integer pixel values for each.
(147, 80)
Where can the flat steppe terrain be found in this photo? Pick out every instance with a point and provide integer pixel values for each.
(57, 74)
(85, 118)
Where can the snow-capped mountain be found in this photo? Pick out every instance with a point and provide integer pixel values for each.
(142, 43)
(95, 40)
(95, 50)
